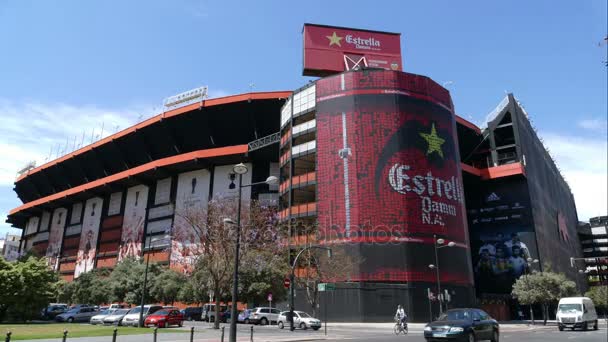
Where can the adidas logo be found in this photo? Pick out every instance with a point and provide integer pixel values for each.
(493, 197)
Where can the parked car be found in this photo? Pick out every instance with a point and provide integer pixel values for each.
(193, 313)
(118, 306)
(79, 314)
(264, 315)
(463, 325)
(208, 313)
(302, 320)
(576, 312)
(132, 318)
(225, 315)
(164, 318)
(244, 316)
(116, 317)
(53, 310)
(98, 319)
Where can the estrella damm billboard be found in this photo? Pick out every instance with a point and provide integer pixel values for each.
(330, 49)
(388, 173)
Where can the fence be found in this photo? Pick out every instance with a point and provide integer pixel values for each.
(64, 338)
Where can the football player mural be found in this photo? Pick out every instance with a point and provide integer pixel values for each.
(85, 259)
(133, 222)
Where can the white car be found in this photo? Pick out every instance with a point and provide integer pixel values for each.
(576, 312)
(98, 319)
(132, 318)
(264, 315)
(116, 317)
(302, 320)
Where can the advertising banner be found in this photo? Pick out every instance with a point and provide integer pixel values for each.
(162, 193)
(32, 225)
(330, 49)
(85, 259)
(502, 234)
(53, 249)
(133, 222)
(388, 174)
(190, 206)
(76, 213)
(115, 203)
(45, 221)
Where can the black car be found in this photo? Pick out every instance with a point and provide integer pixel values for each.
(192, 313)
(53, 311)
(463, 325)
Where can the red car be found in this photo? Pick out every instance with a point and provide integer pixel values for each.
(164, 318)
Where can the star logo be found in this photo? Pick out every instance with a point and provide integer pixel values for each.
(434, 141)
(334, 39)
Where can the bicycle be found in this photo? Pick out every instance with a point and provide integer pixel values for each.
(400, 327)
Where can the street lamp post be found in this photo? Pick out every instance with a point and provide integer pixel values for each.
(530, 261)
(240, 169)
(437, 244)
(143, 290)
(292, 278)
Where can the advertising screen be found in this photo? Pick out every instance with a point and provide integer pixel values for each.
(56, 236)
(330, 49)
(133, 222)
(85, 260)
(388, 174)
(502, 234)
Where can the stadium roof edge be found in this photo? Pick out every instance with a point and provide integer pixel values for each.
(159, 117)
(468, 124)
(181, 158)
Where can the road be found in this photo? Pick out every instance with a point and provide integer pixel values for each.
(348, 332)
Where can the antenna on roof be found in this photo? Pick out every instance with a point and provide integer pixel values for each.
(82, 141)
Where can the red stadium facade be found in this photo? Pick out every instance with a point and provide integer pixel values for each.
(372, 161)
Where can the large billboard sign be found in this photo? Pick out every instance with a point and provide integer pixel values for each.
(133, 222)
(502, 234)
(85, 260)
(329, 50)
(388, 174)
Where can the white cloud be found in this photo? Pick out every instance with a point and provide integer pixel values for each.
(584, 165)
(595, 124)
(31, 131)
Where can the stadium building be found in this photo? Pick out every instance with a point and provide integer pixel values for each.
(374, 158)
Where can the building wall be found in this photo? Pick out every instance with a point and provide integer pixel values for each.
(102, 230)
(553, 207)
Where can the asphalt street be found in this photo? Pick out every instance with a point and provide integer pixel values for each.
(348, 332)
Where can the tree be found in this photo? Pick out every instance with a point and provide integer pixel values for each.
(167, 285)
(64, 290)
(126, 281)
(315, 267)
(214, 243)
(91, 288)
(544, 288)
(26, 287)
(599, 296)
(263, 273)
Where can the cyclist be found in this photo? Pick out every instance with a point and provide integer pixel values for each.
(401, 316)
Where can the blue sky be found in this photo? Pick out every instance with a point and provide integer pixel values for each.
(68, 66)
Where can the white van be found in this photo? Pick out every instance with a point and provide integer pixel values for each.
(576, 312)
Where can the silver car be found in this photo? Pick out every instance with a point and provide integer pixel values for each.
(98, 319)
(302, 320)
(116, 317)
(79, 314)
